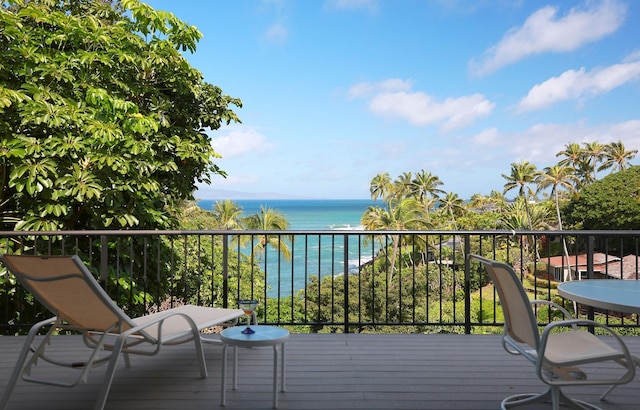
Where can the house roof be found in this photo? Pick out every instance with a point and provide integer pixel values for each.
(613, 266)
(580, 260)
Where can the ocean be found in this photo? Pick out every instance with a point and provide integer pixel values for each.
(307, 214)
(331, 215)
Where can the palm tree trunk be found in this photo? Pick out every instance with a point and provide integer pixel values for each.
(394, 255)
(564, 242)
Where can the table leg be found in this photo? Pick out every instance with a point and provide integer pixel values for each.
(282, 367)
(235, 367)
(223, 387)
(275, 376)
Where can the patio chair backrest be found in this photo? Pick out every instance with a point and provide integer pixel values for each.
(520, 322)
(64, 285)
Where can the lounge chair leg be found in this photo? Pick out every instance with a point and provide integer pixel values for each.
(108, 377)
(200, 356)
(22, 357)
(604, 395)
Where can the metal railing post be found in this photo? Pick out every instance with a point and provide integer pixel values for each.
(467, 286)
(590, 251)
(345, 278)
(225, 270)
(104, 261)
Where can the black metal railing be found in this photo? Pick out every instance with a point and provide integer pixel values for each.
(330, 280)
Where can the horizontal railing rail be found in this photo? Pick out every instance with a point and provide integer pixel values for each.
(330, 280)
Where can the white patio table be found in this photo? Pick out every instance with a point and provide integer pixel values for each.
(612, 294)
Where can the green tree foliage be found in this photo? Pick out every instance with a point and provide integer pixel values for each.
(102, 120)
(198, 276)
(269, 220)
(610, 203)
(521, 176)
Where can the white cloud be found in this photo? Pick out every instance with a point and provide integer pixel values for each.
(540, 143)
(240, 141)
(579, 84)
(366, 89)
(544, 32)
(277, 11)
(633, 56)
(421, 109)
(277, 33)
(488, 137)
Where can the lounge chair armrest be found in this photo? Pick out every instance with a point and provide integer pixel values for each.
(159, 321)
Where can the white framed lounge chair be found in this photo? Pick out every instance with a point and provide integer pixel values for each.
(556, 354)
(64, 285)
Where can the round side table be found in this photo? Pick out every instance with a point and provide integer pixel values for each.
(263, 336)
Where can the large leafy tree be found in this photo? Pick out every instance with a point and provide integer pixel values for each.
(610, 203)
(102, 120)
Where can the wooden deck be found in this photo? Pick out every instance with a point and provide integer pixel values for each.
(325, 371)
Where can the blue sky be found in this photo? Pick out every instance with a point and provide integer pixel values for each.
(337, 91)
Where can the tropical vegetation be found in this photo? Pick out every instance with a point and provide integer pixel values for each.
(103, 122)
(104, 125)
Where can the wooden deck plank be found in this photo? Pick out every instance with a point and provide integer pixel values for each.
(324, 371)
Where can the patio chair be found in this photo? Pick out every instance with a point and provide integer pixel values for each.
(65, 286)
(556, 354)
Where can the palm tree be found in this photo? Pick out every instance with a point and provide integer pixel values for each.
(381, 187)
(558, 177)
(402, 185)
(617, 157)
(269, 220)
(585, 172)
(227, 214)
(478, 201)
(594, 154)
(580, 160)
(515, 216)
(522, 174)
(424, 187)
(403, 215)
(573, 153)
(452, 205)
(498, 200)
(494, 202)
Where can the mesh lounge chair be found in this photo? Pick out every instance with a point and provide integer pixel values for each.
(554, 354)
(66, 287)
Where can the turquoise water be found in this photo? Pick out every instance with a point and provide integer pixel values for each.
(307, 214)
(324, 254)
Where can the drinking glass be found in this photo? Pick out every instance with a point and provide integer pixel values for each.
(248, 307)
